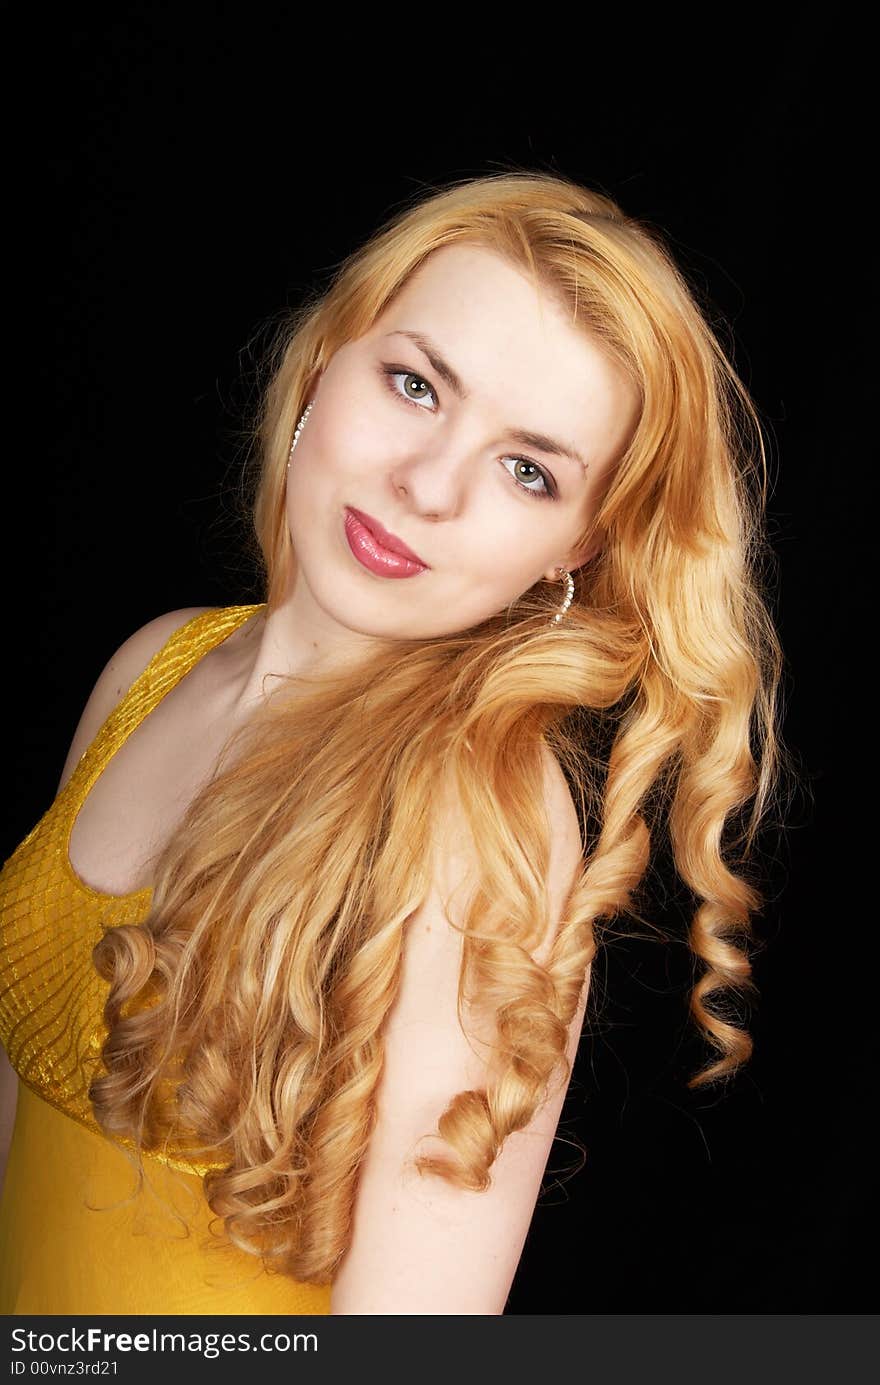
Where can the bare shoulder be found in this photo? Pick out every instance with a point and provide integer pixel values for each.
(421, 1246)
(117, 676)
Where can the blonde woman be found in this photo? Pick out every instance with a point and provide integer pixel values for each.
(295, 965)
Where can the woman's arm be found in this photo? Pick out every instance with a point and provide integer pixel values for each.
(419, 1245)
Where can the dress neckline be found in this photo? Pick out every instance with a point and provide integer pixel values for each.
(94, 761)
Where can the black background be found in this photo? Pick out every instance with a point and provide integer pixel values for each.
(193, 177)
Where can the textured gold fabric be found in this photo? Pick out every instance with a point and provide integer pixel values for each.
(58, 1254)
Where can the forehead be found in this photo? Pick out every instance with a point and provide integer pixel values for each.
(486, 315)
(475, 282)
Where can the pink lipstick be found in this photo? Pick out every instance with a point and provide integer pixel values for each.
(377, 549)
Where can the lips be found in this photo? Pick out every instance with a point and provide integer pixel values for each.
(387, 540)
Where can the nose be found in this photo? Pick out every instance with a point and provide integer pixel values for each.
(436, 479)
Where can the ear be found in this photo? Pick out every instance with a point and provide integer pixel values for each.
(572, 561)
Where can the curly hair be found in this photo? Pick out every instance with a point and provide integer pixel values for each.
(245, 1013)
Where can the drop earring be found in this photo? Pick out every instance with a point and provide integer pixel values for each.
(569, 581)
(297, 431)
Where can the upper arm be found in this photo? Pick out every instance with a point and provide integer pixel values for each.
(127, 664)
(422, 1246)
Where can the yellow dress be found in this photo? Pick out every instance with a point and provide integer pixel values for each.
(60, 1251)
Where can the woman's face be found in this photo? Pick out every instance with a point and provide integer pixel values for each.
(428, 449)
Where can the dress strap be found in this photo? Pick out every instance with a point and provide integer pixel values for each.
(180, 653)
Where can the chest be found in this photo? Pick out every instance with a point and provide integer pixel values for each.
(141, 796)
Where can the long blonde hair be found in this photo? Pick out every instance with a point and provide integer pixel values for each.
(245, 1013)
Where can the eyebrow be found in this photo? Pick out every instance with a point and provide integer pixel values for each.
(521, 435)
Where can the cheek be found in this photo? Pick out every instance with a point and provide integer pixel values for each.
(326, 473)
(514, 539)
(307, 500)
(341, 454)
(311, 468)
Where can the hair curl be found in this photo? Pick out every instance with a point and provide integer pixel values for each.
(245, 1013)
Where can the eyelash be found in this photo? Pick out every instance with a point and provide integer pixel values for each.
(389, 371)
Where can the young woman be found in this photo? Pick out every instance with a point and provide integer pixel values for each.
(305, 937)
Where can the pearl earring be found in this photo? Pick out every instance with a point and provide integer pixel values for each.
(569, 581)
(297, 431)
